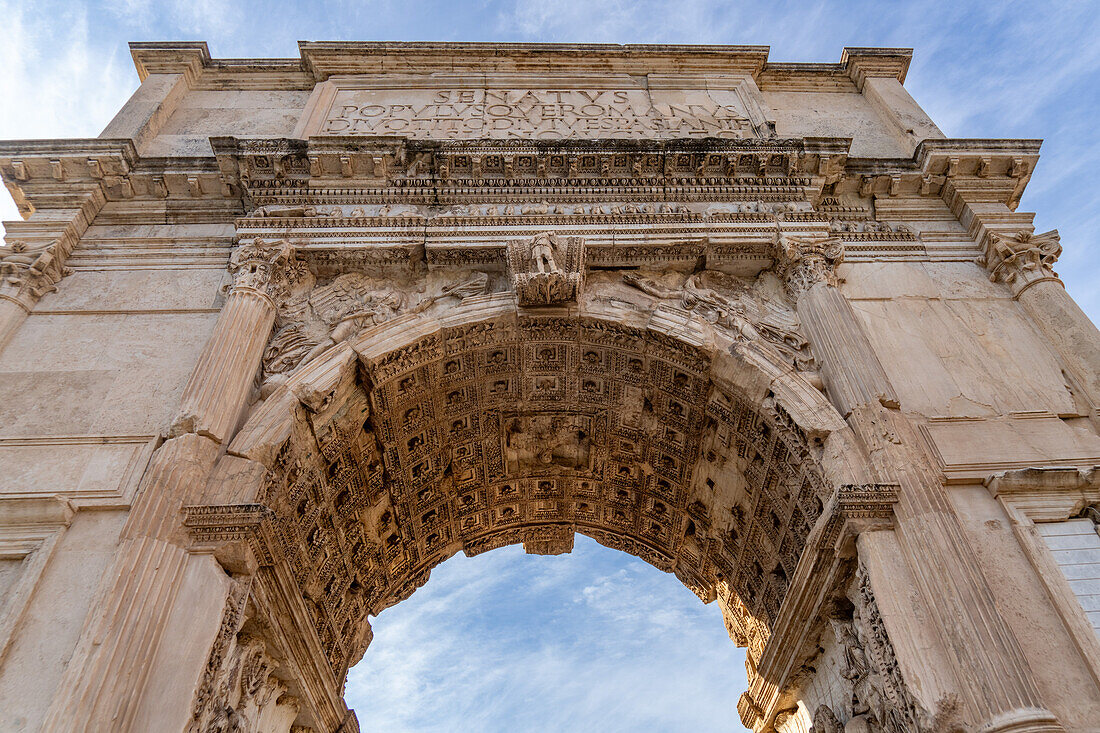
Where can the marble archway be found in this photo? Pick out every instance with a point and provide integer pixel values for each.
(474, 423)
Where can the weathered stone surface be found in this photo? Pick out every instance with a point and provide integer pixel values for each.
(289, 335)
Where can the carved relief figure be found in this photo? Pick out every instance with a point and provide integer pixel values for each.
(546, 270)
(879, 700)
(731, 303)
(825, 721)
(313, 318)
(542, 254)
(545, 441)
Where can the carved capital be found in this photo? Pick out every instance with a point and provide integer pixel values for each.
(858, 508)
(1022, 260)
(546, 269)
(802, 262)
(269, 268)
(28, 272)
(241, 536)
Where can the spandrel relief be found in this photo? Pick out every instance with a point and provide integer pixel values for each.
(745, 310)
(319, 314)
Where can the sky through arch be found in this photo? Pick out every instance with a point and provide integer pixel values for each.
(595, 640)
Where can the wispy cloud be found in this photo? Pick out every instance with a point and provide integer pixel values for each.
(591, 640)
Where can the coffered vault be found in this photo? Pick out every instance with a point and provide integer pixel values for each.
(758, 324)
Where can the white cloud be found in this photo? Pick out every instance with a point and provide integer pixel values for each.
(591, 640)
(53, 82)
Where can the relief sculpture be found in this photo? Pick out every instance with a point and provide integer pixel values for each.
(541, 442)
(878, 700)
(736, 306)
(314, 317)
(547, 269)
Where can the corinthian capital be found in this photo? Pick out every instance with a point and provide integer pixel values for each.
(802, 262)
(268, 268)
(1022, 260)
(29, 272)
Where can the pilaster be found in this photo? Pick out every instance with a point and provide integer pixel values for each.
(1024, 261)
(115, 658)
(998, 691)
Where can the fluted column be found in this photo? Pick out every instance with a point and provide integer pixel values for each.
(996, 685)
(220, 382)
(1024, 262)
(103, 685)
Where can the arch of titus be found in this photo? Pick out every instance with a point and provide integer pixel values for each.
(291, 332)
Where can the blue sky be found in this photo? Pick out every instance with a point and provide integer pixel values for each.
(595, 640)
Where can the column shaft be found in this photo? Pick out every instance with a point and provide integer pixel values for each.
(103, 685)
(990, 664)
(1069, 330)
(219, 386)
(12, 315)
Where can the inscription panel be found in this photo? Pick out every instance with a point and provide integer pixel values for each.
(570, 110)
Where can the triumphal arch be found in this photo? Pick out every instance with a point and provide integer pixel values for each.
(291, 332)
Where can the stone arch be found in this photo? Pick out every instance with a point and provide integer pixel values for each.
(488, 424)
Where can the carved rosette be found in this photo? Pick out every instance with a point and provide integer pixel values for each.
(28, 272)
(267, 269)
(1022, 260)
(802, 262)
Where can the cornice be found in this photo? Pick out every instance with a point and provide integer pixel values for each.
(323, 59)
(329, 58)
(170, 57)
(864, 63)
(286, 167)
(47, 173)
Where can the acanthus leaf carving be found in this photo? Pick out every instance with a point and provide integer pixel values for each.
(802, 262)
(1023, 259)
(268, 268)
(27, 272)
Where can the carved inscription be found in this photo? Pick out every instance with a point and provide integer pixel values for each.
(548, 114)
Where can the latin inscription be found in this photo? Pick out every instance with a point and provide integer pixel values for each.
(546, 114)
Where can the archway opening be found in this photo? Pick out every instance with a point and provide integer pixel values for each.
(490, 426)
(510, 641)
